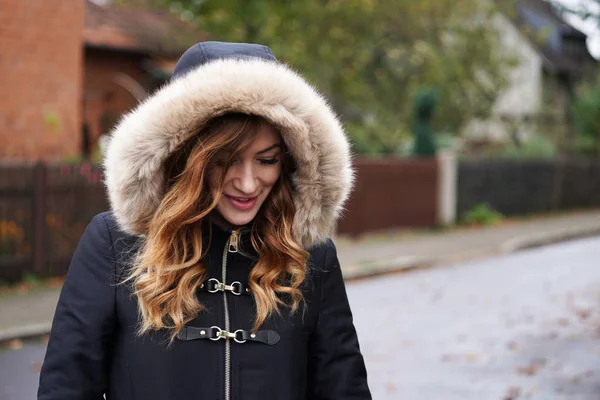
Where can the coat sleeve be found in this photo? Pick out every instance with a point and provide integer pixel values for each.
(336, 366)
(76, 362)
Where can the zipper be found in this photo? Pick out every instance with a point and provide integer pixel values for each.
(233, 242)
(230, 247)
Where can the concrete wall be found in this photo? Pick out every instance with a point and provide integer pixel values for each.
(41, 72)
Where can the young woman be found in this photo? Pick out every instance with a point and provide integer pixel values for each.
(213, 276)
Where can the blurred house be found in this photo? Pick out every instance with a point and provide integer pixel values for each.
(71, 74)
(127, 54)
(553, 58)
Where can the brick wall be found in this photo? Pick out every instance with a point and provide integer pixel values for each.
(41, 72)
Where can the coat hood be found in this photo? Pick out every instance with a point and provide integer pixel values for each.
(211, 79)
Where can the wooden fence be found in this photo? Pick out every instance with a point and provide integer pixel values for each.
(392, 193)
(44, 209)
(519, 187)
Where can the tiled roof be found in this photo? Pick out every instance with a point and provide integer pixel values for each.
(138, 30)
(545, 9)
(541, 13)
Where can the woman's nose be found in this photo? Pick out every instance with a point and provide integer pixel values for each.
(245, 179)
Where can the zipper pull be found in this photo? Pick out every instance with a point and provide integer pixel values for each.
(233, 242)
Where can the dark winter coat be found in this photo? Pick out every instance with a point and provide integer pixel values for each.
(312, 354)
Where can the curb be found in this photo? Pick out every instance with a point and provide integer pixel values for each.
(25, 332)
(396, 265)
(547, 238)
(384, 267)
(406, 264)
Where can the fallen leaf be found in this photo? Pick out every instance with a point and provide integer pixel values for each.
(552, 335)
(512, 346)
(575, 378)
(528, 370)
(470, 357)
(22, 288)
(512, 393)
(579, 377)
(55, 283)
(15, 344)
(532, 391)
(36, 366)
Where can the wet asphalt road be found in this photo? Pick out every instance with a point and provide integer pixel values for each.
(524, 326)
(19, 371)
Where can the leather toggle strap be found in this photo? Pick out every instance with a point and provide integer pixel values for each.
(213, 285)
(240, 336)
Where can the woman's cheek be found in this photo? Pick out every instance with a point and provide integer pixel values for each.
(275, 176)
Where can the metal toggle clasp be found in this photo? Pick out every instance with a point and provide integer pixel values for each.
(218, 286)
(222, 334)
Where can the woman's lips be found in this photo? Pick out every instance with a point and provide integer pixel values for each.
(242, 203)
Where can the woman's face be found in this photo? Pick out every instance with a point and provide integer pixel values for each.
(250, 179)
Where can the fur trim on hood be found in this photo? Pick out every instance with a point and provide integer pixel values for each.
(145, 137)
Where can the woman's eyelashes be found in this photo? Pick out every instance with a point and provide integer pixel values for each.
(263, 161)
(268, 161)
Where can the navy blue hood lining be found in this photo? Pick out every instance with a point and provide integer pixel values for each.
(204, 52)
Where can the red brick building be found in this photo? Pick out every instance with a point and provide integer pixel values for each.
(42, 76)
(71, 68)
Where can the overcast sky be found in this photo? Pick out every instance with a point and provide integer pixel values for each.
(588, 27)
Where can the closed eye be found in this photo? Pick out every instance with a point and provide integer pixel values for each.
(268, 161)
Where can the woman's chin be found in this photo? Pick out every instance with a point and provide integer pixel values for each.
(234, 218)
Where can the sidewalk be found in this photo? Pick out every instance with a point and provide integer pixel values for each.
(361, 259)
(30, 314)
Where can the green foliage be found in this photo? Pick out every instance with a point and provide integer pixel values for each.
(481, 214)
(537, 147)
(76, 159)
(586, 114)
(32, 280)
(52, 121)
(370, 57)
(425, 102)
(377, 138)
(586, 146)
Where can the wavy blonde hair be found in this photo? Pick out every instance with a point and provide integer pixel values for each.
(169, 265)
